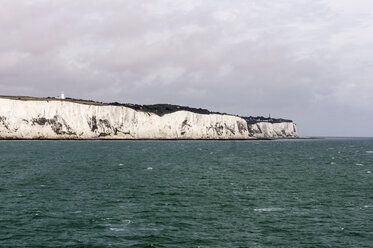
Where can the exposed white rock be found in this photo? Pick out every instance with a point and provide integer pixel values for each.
(273, 130)
(58, 119)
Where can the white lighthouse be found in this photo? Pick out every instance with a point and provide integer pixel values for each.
(62, 96)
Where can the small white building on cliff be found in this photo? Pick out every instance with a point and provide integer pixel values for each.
(62, 96)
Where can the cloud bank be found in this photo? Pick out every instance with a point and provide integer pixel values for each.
(308, 60)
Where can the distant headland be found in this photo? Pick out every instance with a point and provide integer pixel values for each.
(25, 117)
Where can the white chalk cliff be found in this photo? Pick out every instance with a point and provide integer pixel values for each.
(60, 119)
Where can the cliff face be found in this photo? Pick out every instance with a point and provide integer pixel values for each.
(58, 119)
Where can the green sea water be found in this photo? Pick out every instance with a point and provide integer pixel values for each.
(285, 193)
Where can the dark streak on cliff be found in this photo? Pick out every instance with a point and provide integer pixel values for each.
(4, 122)
(56, 125)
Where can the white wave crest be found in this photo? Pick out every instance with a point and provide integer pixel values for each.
(268, 209)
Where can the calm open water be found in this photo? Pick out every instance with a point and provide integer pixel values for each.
(287, 193)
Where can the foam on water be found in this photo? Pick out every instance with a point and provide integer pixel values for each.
(117, 229)
(268, 209)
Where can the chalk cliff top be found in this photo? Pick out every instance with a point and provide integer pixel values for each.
(159, 109)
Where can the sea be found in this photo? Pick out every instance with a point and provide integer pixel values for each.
(269, 193)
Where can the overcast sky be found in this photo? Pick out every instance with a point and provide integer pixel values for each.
(307, 60)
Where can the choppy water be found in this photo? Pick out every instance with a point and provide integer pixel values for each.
(299, 193)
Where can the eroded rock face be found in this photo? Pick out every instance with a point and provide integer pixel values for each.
(55, 119)
(273, 130)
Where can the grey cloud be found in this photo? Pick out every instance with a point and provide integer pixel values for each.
(296, 59)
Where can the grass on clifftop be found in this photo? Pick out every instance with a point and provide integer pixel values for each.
(159, 109)
(31, 98)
